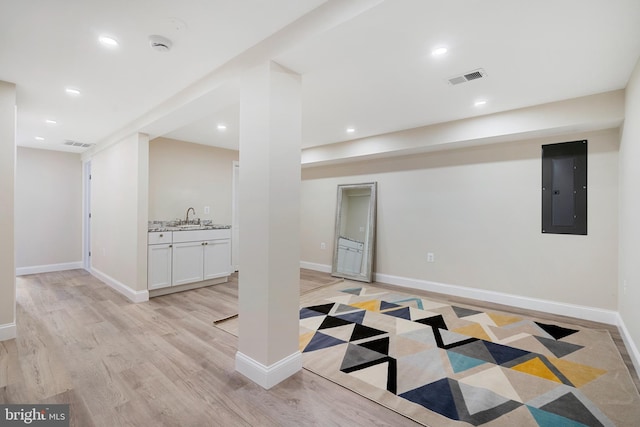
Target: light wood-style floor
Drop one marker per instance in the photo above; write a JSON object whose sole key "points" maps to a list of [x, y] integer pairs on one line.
{"points": [[163, 363]]}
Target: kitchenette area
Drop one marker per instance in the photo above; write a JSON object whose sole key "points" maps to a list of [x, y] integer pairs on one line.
{"points": [[187, 254], [189, 240]]}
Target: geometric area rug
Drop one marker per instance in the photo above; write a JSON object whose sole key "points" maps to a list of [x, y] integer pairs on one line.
{"points": [[455, 365]]}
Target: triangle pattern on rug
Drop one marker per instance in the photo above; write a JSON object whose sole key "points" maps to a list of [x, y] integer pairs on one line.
{"points": [[449, 338], [384, 305], [538, 368], [460, 362], [575, 373], [464, 312], [557, 332], [381, 345], [422, 335], [436, 397], [493, 379], [504, 320], [499, 369], [474, 330], [371, 305], [548, 419], [323, 308], [417, 314], [304, 339], [306, 313], [375, 375], [503, 353], [343, 308], [559, 348], [434, 322], [570, 407], [476, 350], [320, 341], [361, 332], [340, 332], [404, 326], [478, 399], [358, 357], [313, 323], [332, 322], [481, 318], [402, 313], [355, 317]]}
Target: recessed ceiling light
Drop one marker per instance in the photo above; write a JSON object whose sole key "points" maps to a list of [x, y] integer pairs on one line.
{"points": [[351, 130], [439, 51], [480, 103], [107, 41], [222, 126], [72, 91], [39, 138], [50, 122]]}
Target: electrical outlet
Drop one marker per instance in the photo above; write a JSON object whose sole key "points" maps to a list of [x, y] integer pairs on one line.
{"points": [[323, 245], [624, 287], [431, 257], [207, 209]]}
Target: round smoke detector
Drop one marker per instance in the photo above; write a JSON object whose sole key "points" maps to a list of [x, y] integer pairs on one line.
{"points": [[160, 43]]}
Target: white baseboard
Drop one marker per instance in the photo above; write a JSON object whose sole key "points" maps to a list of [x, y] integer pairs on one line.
{"points": [[8, 331], [21, 271], [134, 296], [315, 267], [268, 376], [564, 309], [634, 353]]}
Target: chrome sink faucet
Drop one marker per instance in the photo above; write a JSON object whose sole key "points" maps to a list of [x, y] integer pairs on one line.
{"points": [[187, 218]]}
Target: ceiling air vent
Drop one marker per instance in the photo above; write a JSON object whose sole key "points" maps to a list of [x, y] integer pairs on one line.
{"points": [[77, 144], [467, 77]]}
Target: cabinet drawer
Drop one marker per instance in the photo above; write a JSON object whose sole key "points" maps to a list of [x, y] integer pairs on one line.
{"points": [[158, 237], [200, 235]]}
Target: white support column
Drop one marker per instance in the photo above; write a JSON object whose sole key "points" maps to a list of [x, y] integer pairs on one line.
{"points": [[7, 206], [269, 216]]}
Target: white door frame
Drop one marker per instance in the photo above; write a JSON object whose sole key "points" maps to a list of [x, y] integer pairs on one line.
{"points": [[235, 227], [86, 215]]}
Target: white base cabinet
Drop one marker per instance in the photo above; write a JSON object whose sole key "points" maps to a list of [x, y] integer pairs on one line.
{"points": [[188, 263], [189, 257], [217, 258], [159, 266]]}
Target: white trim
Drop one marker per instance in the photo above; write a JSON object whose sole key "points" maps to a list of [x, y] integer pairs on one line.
{"points": [[268, 376], [8, 331], [134, 296], [315, 267], [86, 210], [565, 309], [634, 353], [235, 226], [21, 271]]}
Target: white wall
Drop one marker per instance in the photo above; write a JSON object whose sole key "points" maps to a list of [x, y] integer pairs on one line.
{"points": [[183, 175], [48, 223], [629, 286], [7, 191], [119, 207], [479, 211]]}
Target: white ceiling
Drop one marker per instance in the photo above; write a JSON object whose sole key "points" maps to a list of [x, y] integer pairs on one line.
{"points": [[374, 72]]}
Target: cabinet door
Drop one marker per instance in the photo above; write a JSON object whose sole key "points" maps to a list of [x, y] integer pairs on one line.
{"points": [[159, 266], [217, 258], [187, 262]]}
